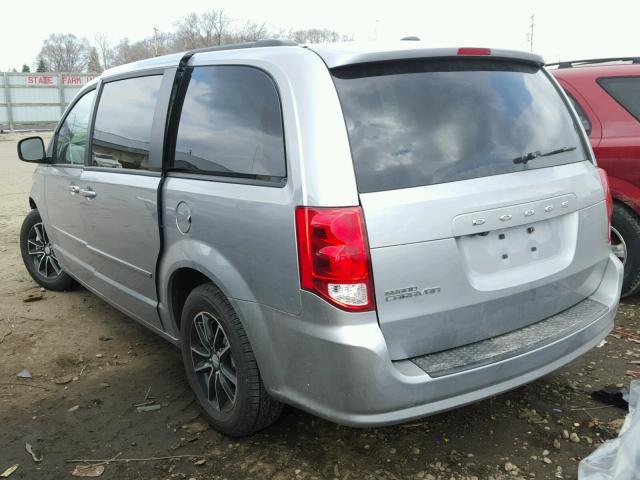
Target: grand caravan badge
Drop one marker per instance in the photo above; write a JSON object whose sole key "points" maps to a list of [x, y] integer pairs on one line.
{"points": [[408, 292]]}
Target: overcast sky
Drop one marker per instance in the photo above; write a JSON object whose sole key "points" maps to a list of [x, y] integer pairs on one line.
{"points": [[564, 29]]}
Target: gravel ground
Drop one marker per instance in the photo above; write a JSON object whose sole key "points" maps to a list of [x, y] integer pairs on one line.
{"points": [[90, 365]]}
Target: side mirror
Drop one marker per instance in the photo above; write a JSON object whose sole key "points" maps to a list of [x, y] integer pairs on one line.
{"points": [[31, 149]]}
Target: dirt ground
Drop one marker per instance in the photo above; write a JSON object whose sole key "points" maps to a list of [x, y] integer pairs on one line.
{"points": [[91, 365]]}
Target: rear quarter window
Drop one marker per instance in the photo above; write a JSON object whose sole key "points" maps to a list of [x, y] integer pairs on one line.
{"points": [[625, 91], [231, 125], [429, 121]]}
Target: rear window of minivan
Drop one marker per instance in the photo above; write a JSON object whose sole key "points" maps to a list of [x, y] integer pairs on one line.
{"points": [[428, 121]]}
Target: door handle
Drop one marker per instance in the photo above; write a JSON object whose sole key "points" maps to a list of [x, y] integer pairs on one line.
{"points": [[73, 189], [87, 192]]}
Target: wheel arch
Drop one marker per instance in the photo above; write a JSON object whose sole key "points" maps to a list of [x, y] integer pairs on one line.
{"points": [[182, 282], [628, 229], [32, 204], [625, 193], [187, 263], [627, 205]]}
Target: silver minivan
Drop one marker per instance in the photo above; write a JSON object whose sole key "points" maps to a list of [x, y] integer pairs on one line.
{"points": [[372, 233]]}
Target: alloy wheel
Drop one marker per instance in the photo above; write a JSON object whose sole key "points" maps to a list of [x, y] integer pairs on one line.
{"points": [[213, 362], [41, 252]]}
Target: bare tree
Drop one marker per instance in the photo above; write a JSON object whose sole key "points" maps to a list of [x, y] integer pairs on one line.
{"points": [[221, 24], [65, 52], [188, 34], [251, 32], [127, 52], [206, 27], [316, 35], [210, 28], [213, 27], [166, 43], [42, 67], [103, 44]]}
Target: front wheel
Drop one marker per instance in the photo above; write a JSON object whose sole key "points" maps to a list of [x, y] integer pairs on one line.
{"points": [[221, 367], [39, 256]]}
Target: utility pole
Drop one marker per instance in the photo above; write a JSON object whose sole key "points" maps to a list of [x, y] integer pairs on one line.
{"points": [[155, 40], [530, 34]]}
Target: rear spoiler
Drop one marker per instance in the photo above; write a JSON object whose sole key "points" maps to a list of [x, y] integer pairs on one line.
{"points": [[347, 55]]}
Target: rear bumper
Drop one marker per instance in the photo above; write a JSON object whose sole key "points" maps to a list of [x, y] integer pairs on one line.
{"points": [[337, 366]]}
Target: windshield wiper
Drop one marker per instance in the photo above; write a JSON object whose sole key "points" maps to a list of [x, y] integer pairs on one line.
{"points": [[537, 154]]}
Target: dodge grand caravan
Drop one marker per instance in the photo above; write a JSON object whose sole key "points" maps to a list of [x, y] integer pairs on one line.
{"points": [[369, 233]]}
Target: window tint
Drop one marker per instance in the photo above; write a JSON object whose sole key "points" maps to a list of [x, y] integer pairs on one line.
{"points": [[231, 124], [582, 115], [71, 142], [122, 132], [626, 91], [428, 121]]}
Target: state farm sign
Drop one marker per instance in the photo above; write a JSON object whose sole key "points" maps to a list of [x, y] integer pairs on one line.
{"points": [[53, 80]]}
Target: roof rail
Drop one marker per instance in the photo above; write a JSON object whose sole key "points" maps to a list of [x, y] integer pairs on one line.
{"points": [[592, 61], [238, 46]]}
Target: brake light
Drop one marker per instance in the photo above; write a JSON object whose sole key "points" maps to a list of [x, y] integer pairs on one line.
{"points": [[474, 51], [334, 256], [607, 197]]}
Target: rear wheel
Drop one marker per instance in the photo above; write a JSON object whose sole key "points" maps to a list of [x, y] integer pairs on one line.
{"points": [[39, 256], [221, 366], [625, 244]]}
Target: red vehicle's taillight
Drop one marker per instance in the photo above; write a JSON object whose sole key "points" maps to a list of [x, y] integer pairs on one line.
{"points": [[334, 256], [607, 196]]}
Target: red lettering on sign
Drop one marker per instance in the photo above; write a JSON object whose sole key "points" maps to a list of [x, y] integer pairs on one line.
{"points": [[39, 80], [75, 80], [65, 79]]}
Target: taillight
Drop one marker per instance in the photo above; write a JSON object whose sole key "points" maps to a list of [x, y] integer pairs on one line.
{"points": [[607, 197], [334, 256], [474, 51]]}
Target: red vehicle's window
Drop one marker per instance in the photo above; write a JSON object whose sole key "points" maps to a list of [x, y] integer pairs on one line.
{"points": [[582, 115], [625, 91]]}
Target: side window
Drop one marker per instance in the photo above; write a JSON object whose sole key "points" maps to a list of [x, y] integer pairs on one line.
{"points": [[582, 115], [231, 124], [625, 91], [122, 131], [71, 140]]}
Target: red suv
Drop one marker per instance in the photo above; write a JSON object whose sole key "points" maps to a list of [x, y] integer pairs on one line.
{"points": [[606, 96]]}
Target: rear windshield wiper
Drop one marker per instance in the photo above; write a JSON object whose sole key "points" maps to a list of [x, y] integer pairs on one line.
{"points": [[537, 154]]}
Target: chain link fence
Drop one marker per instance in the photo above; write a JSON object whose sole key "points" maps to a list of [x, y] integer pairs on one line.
{"points": [[30, 101]]}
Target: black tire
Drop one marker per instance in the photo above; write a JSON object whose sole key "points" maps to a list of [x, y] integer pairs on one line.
{"points": [[252, 408], [50, 275], [626, 224]]}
